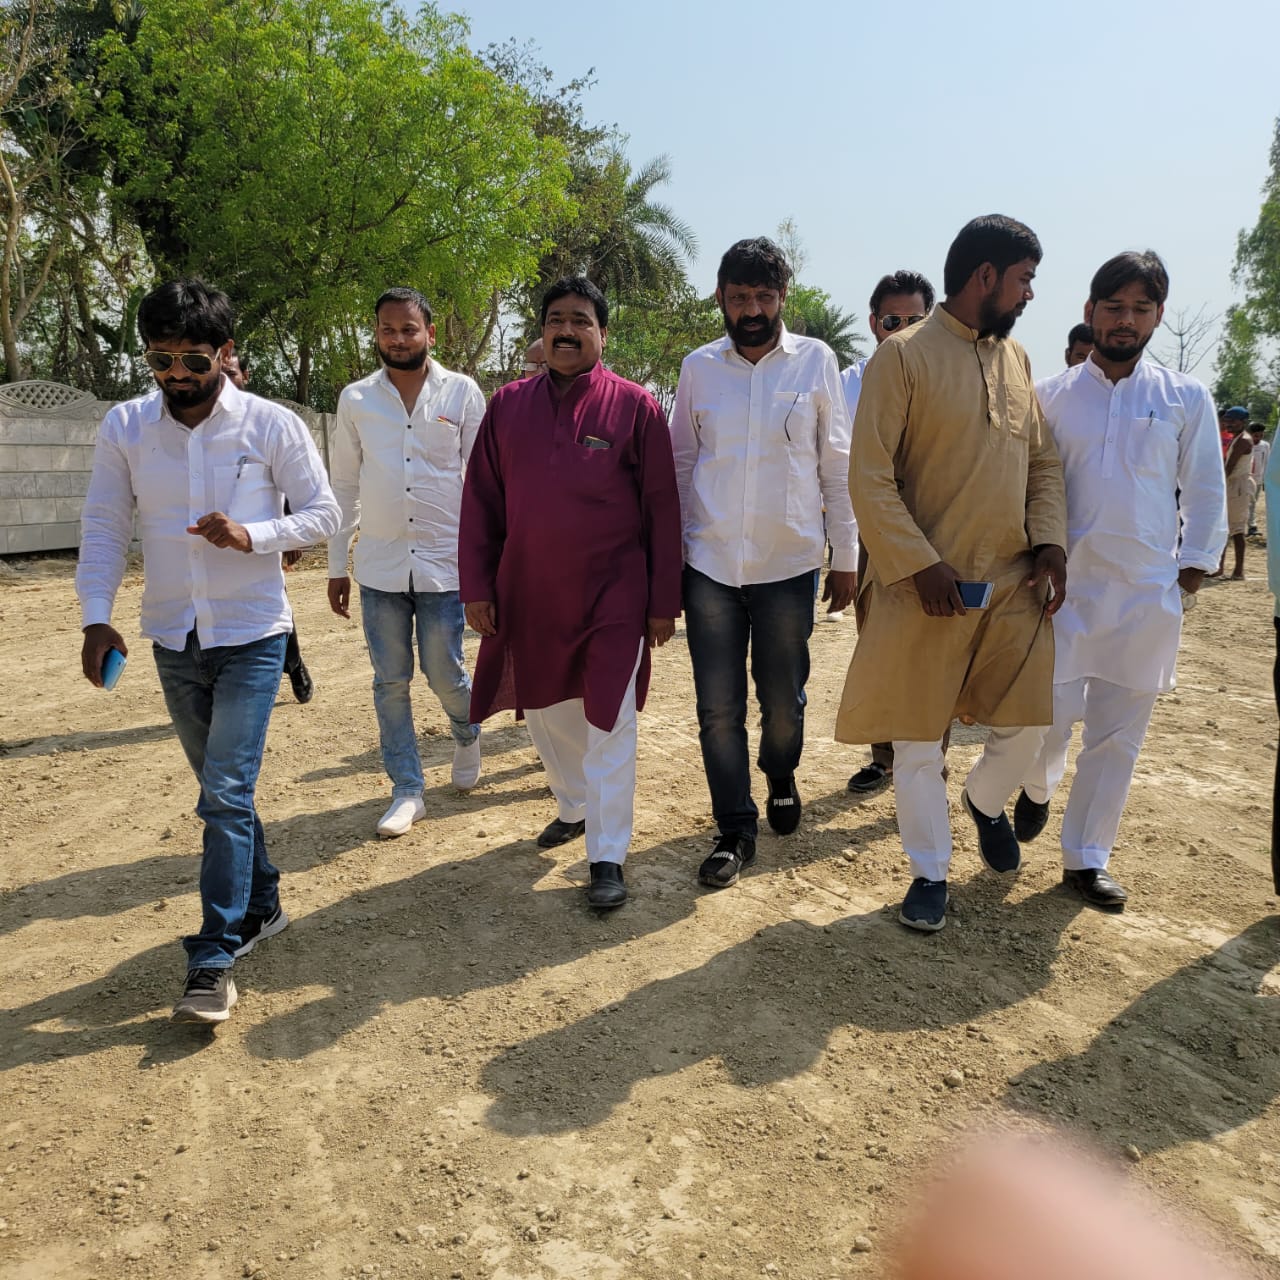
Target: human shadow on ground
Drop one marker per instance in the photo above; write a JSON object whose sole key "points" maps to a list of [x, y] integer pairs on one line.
{"points": [[463, 925], [89, 740], [1194, 1056], [767, 1008], [435, 750]]}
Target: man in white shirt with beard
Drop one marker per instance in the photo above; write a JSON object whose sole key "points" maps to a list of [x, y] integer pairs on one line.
{"points": [[1140, 453], [761, 439], [400, 449]]}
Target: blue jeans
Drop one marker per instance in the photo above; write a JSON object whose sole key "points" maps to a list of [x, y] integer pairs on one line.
{"points": [[220, 702], [777, 619], [389, 618]]}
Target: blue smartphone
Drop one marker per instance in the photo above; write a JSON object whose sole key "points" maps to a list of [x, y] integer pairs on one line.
{"points": [[112, 668], [976, 595]]}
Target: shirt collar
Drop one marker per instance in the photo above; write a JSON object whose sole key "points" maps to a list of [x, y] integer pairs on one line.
{"points": [[434, 379], [1098, 376], [942, 316], [787, 343], [230, 399]]}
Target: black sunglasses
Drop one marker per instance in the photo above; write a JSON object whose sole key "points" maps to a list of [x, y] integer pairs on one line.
{"points": [[191, 361], [892, 323]]}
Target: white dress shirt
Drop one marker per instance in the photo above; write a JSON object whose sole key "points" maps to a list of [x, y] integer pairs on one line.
{"points": [[244, 460], [761, 449], [851, 380], [1258, 461], [399, 477], [1140, 458]]}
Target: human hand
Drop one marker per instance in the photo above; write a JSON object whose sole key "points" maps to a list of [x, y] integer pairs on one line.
{"points": [[482, 617], [1051, 563], [340, 596], [936, 587], [98, 638], [222, 531]]}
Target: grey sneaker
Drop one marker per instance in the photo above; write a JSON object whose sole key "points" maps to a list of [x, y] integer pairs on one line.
{"points": [[209, 995]]}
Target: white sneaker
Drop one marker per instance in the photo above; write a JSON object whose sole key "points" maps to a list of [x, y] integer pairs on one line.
{"points": [[404, 812], [838, 616], [466, 765]]}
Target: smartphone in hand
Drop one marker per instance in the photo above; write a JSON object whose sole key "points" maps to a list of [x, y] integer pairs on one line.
{"points": [[112, 668], [975, 595]]}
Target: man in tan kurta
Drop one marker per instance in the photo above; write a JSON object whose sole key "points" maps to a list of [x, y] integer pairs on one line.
{"points": [[954, 477]]}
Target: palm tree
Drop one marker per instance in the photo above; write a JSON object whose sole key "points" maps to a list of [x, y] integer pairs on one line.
{"points": [[810, 311]]}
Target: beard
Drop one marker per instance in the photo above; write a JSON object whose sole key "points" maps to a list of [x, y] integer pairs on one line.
{"points": [[994, 323], [1119, 354], [190, 397], [412, 360], [753, 331]]}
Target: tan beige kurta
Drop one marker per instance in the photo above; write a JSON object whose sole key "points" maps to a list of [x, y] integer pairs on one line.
{"points": [[951, 461]]}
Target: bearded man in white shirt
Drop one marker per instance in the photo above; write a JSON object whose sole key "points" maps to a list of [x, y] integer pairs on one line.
{"points": [[761, 439], [207, 468], [1140, 454], [399, 453]]}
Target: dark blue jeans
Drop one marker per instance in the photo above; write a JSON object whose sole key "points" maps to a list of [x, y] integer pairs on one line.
{"points": [[776, 619], [220, 702]]}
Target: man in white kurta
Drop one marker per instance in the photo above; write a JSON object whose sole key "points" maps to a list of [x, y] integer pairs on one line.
{"points": [[1140, 454]]}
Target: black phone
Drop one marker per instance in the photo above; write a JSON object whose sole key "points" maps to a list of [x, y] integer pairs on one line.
{"points": [[976, 595]]}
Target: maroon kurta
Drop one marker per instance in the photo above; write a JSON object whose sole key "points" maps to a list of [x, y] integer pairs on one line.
{"points": [[575, 543]]}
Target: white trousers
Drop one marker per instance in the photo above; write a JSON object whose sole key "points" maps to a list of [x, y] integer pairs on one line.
{"points": [[1115, 723], [592, 774], [924, 820]]}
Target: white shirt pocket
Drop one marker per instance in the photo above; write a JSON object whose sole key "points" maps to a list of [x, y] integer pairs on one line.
{"points": [[246, 492], [1152, 448]]}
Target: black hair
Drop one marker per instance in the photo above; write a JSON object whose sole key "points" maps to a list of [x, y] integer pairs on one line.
{"points": [[1079, 333], [186, 310], [411, 297], [584, 288], [992, 238], [755, 262], [906, 282], [1127, 268]]}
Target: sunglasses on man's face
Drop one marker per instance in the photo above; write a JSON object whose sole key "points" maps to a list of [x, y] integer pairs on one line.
{"points": [[891, 323], [191, 361]]}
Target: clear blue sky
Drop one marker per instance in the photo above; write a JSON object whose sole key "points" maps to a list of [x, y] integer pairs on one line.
{"points": [[881, 129]]}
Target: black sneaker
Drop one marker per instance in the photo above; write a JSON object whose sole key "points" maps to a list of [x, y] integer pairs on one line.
{"points": [[1028, 818], [871, 777], [925, 906], [996, 842], [731, 854], [208, 997], [303, 685], [783, 807], [254, 928]]}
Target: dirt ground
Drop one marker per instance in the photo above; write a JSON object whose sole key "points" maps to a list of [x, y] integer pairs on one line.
{"points": [[448, 1066]]}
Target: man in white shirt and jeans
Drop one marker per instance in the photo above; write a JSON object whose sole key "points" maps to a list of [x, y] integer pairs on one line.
{"points": [[1141, 460], [399, 452], [208, 468], [761, 438]]}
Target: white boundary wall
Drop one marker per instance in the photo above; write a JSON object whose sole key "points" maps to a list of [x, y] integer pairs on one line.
{"points": [[47, 433]]}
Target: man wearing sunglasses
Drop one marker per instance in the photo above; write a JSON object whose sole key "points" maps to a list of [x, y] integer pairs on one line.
{"points": [[898, 301], [207, 468], [761, 438]]}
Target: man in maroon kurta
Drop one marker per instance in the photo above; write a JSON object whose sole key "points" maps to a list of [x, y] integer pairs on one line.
{"points": [[569, 560]]}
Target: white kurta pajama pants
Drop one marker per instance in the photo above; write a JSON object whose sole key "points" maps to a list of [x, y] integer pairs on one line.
{"points": [[920, 791], [591, 772], [1115, 724]]}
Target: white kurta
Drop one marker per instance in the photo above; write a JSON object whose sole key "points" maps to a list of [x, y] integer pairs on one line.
{"points": [[1142, 461]]}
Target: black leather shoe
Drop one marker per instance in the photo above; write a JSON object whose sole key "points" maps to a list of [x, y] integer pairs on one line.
{"points": [[783, 807], [1097, 888], [1028, 818], [996, 842], [303, 685], [557, 833], [731, 854], [607, 888]]}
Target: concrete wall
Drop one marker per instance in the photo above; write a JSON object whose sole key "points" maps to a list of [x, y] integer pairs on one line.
{"points": [[47, 432]]}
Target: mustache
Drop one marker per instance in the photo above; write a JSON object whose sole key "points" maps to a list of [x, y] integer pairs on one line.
{"points": [[567, 342]]}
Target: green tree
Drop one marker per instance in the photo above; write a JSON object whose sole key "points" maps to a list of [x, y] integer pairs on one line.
{"points": [[810, 311], [304, 154], [1257, 265], [649, 337]]}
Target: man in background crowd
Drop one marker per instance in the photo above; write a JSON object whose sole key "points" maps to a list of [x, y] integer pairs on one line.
{"points": [[1079, 344]]}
